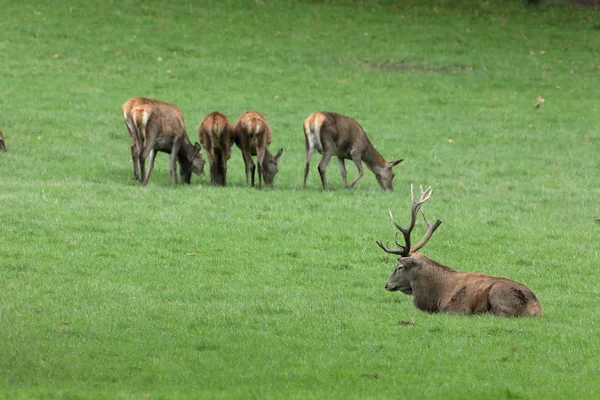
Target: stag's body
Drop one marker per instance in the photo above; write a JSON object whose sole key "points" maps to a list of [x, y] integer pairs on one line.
{"points": [[216, 134], [253, 137], [2, 144], [153, 126], [437, 288], [333, 134]]}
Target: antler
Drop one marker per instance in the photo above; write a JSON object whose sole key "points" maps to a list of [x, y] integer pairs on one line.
{"points": [[405, 249]]}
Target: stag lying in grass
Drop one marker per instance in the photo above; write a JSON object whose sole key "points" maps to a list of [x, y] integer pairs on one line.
{"points": [[155, 125], [253, 137], [216, 134], [437, 288], [333, 134], [2, 144]]}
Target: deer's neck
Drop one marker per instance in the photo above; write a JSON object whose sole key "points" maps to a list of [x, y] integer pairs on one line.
{"points": [[431, 284], [373, 159], [186, 153]]}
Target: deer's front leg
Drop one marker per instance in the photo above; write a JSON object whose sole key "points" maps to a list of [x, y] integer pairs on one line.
{"points": [[173, 161], [358, 162], [260, 157]]}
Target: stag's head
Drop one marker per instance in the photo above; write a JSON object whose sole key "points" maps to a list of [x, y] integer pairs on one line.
{"points": [[409, 259], [385, 175], [271, 167]]}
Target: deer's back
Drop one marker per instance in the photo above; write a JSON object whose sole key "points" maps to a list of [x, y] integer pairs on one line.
{"points": [[345, 133], [252, 127], [159, 123]]}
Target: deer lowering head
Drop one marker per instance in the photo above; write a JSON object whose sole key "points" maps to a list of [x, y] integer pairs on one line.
{"points": [[215, 132], [153, 126], [253, 137], [2, 144], [333, 134], [437, 288]]}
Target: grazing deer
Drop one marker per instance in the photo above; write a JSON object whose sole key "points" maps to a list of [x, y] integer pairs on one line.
{"points": [[2, 144], [334, 134], [437, 288], [153, 126], [253, 136], [216, 133]]}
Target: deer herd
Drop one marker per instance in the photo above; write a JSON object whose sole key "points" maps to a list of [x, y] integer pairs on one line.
{"points": [[154, 126]]}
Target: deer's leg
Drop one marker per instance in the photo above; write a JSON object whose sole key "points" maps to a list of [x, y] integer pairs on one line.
{"points": [[135, 160], [173, 160], [309, 150], [249, 167], [358, 162], [323, 166], [506, 300], [146, 175], [342, 165], [260, 155], [142, 161]]}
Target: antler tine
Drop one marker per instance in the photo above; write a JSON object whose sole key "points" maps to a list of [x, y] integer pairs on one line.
{"points": [[430, 229], [424, 195], [388, 250]]}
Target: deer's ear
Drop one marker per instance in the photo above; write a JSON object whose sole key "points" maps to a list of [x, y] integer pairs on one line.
{"points": [[197, 146], [394, 163], [279, 153]]}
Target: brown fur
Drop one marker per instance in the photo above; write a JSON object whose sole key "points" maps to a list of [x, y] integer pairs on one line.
{"points": [[162, 130], [334, 134], [215, 132], [253, 137], [2, 144], [437, 288]]}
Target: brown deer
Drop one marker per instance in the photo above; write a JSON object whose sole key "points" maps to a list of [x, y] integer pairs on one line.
{"points": [[2, 144], [437, 288], [332, 134], [216, 133], [153, 126], [253, 136]]}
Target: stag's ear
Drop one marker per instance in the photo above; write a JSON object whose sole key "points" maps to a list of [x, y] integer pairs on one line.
{"points": [[394, 163], [279, 153], [197, 147]]}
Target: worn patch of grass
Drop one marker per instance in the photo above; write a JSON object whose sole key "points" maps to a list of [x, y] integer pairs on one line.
{"points": [[109, 290]]}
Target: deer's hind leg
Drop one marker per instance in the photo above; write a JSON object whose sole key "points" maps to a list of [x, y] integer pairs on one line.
{"points": [[507, 300]]}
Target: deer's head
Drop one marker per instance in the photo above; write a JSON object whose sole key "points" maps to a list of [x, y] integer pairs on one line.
{"points": [[409, 259], [197, 160], [270, 167], [385, 175]]}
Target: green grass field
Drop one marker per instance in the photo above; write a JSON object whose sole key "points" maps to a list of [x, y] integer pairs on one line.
{"points": [[112, 290]]}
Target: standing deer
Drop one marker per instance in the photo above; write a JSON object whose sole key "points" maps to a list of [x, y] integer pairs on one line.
{"points": [[332, 134], [155, 125], [437, 288], [253, 136], [216, 133], [2, 144]]}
